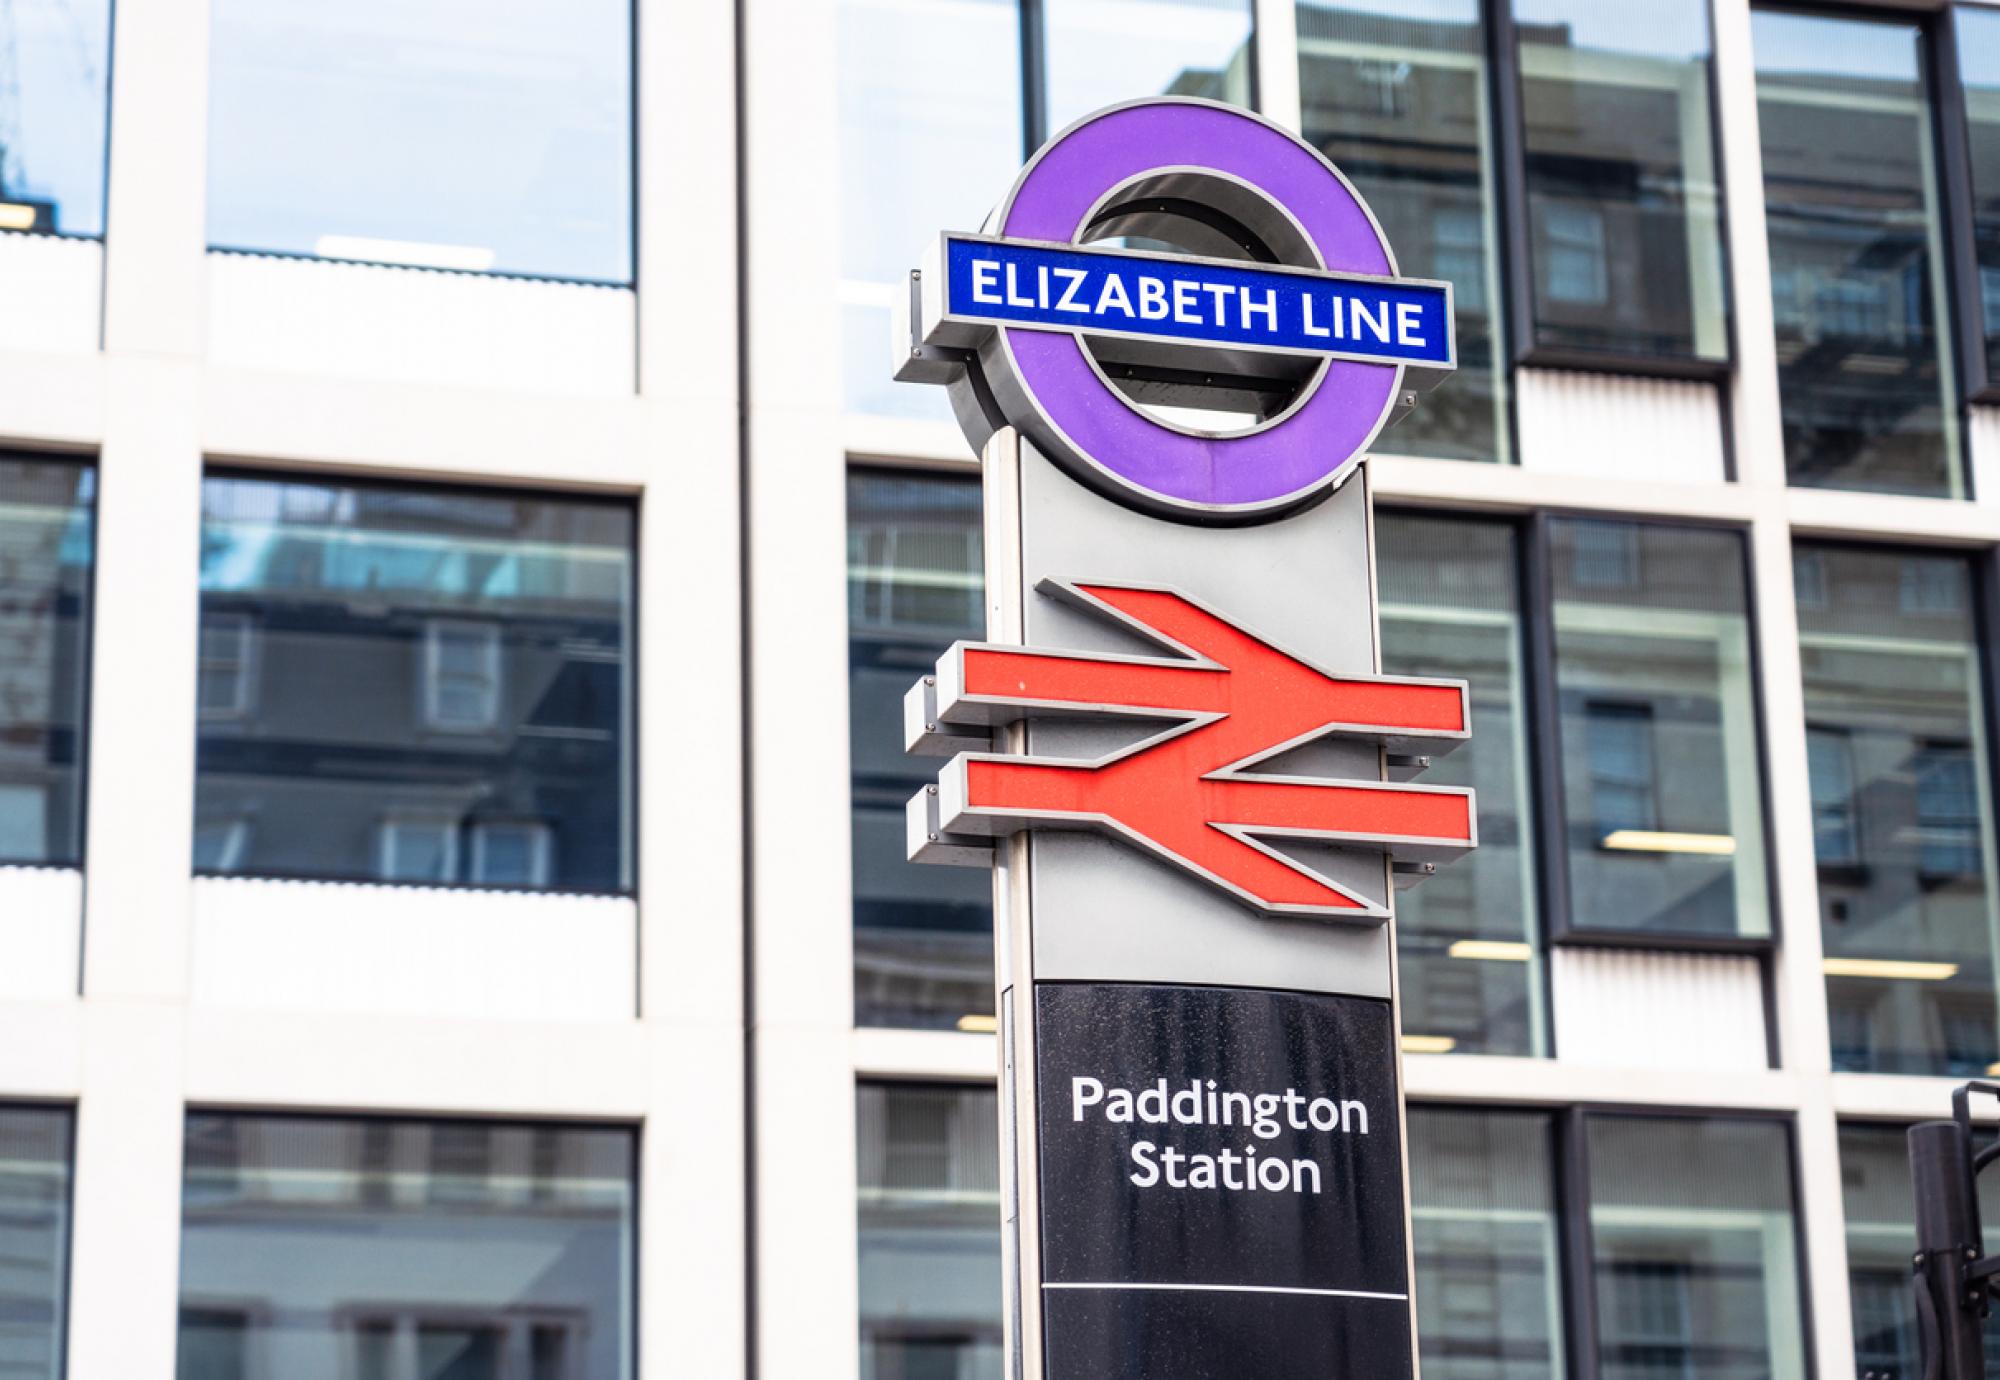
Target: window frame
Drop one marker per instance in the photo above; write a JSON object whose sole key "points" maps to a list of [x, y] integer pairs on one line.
{"points": [[1516, 332], [1951, 133]]}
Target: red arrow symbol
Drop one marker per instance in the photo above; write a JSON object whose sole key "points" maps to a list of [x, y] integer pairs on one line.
{"points": [[1184, 794]]}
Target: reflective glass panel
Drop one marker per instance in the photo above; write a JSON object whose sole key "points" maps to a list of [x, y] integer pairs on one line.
{"points": [[34, 1241], [468, 134], [930, 139], [1902, 812], [55, 94], [1880, 1212], [1662, 792], [1396, 96], [1484, 1230], [414, 685], [1101, 52], [929, 1172], [1979, 76], [1471, 970], [1623, 206], [45, 540], [1851, 202], [1696, 1254], [405, 1250], [923, 936]]}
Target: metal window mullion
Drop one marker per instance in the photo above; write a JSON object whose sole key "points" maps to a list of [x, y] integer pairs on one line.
{"points": [[1034, 75], [1951, 131], [1517, 313], [1579, 1247], [1544, 718], [1985, 610]]}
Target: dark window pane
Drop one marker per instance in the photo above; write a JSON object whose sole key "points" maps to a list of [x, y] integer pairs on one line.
{"points": [[1979, 73], [1484, 1231], [1852, 207], [1890, 656], [55, 93], [410, 685], [930, 139], [923, 936], [1623, 205], [1399, 103], [287, 1241], [45, 538], [495, 136], [1471, 973], [1879, 1210], [929, 1172], [1696, 1249], [34, 1241], [1101, 52], [1661, 782]]}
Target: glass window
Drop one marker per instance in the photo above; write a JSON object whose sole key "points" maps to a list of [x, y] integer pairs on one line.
{"points": [[45, 545], [34, 1240], [1694, 1249], [1662, 785], [930, 138], [461, 134], [1484, 1232], [414, 685], [1398, 100], [923, 936], [1879, 1210], [1619, 153], [929, 1171], [1979, 78], [405, 1250], [1471, 971], [1851, 202], [1902, 808], [1101, 52], [55, 112]]}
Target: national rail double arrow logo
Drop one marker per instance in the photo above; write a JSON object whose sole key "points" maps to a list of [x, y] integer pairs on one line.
{"points": [[1188, 794]]}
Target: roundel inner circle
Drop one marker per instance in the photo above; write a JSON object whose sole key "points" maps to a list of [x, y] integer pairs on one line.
{"points": [[1090, 425]]}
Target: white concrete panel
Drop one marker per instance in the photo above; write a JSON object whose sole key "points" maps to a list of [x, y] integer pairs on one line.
{"points": [[1982, 444], [54, 293], [1644, 1009], [41, 932], [347, 947], [420, 326], [1612, 426]]}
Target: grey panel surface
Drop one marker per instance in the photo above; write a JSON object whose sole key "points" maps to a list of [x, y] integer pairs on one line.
{"points": [[1104, 911]]}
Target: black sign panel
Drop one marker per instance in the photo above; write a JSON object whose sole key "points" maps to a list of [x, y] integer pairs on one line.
{"points": [[1222, 1185]]}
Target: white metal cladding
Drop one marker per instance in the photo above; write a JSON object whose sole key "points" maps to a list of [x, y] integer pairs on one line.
{"points": [[50, 293], [1982, 444], [1616, 426], [41, 918], [420, 325], [1651, 1009], [370, 950]]}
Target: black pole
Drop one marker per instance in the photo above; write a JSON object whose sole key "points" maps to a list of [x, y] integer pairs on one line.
{"points": [[1948, 1303]]}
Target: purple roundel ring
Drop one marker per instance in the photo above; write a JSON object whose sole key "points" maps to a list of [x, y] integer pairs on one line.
{"points": [[1286, 463]]}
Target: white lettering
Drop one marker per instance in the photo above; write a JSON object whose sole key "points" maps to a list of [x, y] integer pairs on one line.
{"points": [[1074, 277], [1156, 1098], [985, 274], [1014, 297], [1184, 303], [1409, 317], [1268, 309], [1152, 299], [1113, 288], [1362, 1116], [1084, 1092], [1377, 328], [1142, 1155], [1309, 327], [1332, 1114], [1216, 292]]}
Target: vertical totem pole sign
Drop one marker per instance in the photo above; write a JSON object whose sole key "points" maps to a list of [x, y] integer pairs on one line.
{"points": [[1172, 344]]}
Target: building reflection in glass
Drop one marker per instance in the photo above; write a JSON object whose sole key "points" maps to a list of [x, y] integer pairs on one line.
{"points": [[1465, 939], [929, 1188], [414, 685], [1902, 807], [923, 936], [405, 1250]]}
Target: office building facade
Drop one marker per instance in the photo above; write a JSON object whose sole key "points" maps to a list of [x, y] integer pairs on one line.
{"points": [[461, 554]]}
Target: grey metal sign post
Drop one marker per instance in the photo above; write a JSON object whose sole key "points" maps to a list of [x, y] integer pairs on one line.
{"points": [[1176, 749]]}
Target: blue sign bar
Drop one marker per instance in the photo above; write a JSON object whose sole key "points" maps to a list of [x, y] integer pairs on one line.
{"points": [[1114, 292]]}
